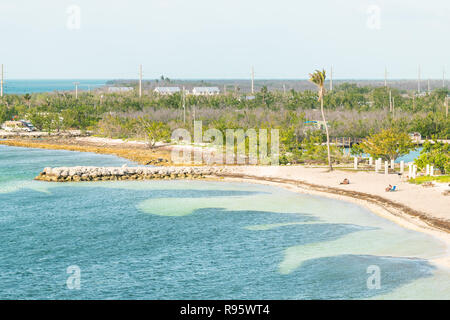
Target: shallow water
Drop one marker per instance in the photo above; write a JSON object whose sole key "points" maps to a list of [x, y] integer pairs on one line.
{"points": [[196, 240]]}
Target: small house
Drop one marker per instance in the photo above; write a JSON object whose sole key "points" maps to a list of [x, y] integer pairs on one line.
{"points": [[120, 89], [205, 91], [166, 90]]}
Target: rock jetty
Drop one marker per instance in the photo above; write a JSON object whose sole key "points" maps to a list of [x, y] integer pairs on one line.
{"points": [[75, 174]]}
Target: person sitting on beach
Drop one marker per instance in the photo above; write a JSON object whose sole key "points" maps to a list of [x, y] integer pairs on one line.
{"points": [[345, 181], [388, 188]]}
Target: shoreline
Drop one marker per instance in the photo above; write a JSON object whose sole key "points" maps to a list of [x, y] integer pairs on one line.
{"points": [[395, 215], [398, 210]]}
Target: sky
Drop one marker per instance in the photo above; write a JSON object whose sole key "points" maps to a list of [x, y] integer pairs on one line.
{"points": [[214, 39]]}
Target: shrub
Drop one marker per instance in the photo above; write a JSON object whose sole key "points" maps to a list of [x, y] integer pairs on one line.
{"points": [[389, 144], [435, 154]]}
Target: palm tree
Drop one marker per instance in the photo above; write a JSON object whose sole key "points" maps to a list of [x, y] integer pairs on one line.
{"points": [[318, 78], [27, 98]]}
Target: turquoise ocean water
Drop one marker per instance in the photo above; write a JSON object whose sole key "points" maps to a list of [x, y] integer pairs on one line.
{"points": [[32, 86], [196, 240]]}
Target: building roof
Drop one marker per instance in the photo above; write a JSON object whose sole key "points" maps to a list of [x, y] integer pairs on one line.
{"points": [[120, 89], [206, 89], [167, 89]]}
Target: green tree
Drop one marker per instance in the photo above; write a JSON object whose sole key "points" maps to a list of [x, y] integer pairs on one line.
{"points": [[356, 150], [389, 144], [436, 154], [155, 131], [318, 78]]}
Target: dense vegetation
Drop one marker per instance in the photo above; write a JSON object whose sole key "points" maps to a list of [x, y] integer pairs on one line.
{"points": [[435, 154], [351, 111]]}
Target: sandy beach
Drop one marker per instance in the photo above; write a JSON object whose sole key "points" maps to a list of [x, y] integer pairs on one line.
{"points": [[412, 206], [430, 201]]}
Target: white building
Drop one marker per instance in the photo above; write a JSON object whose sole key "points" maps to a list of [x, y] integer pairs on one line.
{"points": [[167, 90], [120, 89], [205, 91]]}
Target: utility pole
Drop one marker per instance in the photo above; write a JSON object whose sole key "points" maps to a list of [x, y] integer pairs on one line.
{"points": [[1, 85], [76, 89], [390, 100], [443, 77], [385, 77], [284, 89], [393, 107], [253, 80], [446, 106], [331, 78], [184, 106], [140, 81], [428, 86]]}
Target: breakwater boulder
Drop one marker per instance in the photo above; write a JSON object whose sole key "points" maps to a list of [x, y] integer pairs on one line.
{"points": [[75, 174]]}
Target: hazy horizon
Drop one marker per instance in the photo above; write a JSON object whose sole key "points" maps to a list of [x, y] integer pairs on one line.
{"points": [[221, 39]]}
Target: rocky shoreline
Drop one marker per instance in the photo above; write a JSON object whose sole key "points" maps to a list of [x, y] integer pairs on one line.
{"points": [[77, 174]]}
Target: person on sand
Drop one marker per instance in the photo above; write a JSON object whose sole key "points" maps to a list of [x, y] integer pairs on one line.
{"points": [[345, 181], [388, 188]]}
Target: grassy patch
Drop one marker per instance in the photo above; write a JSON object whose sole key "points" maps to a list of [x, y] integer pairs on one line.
{"points": [[420, 180]]}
